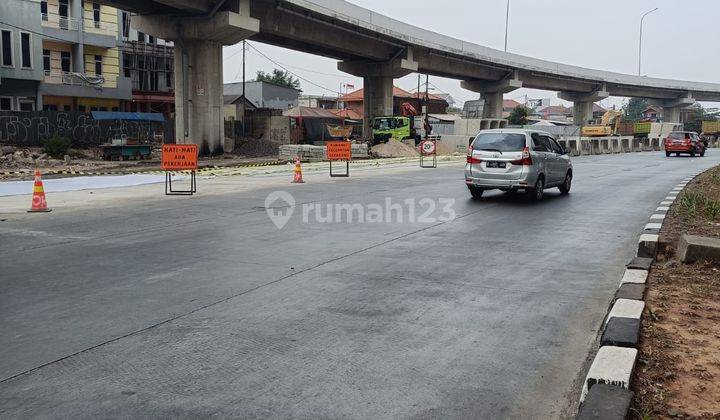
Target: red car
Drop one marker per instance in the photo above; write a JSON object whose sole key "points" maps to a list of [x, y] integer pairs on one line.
{"points": [[684, 142]]}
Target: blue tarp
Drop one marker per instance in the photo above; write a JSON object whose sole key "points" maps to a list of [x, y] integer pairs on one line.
{"points": [[128, 116]]}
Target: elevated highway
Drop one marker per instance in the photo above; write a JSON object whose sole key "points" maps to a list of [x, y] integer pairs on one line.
{"points": [[374, 47]]}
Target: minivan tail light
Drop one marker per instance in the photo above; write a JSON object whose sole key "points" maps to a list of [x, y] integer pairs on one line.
{"points": [[473, 160], [526, 160]]}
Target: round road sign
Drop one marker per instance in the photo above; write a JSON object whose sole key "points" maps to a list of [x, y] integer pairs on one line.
{"points": [[427, 147]]}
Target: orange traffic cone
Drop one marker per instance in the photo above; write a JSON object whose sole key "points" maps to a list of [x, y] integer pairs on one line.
{"points": [[38, 201], [297, 179]]}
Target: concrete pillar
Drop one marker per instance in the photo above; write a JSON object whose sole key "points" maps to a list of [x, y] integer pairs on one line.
{"points": [[582, 112], [583, 103], [492, 92], [377, 99], [493, 105], [198, 67], [672, 107], [202, 122], [671, 114], [378, 84], [78, 50]]}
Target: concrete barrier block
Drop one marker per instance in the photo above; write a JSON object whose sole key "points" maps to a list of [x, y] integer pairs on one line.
{"points": [[621, 332], [653, 226], [693, 248], [606, 402], [665, 203], [647, 245], [634, 276], [613, 366], [640, 263], [632, 291], [626, 308], [658, 216], [663, 209]]}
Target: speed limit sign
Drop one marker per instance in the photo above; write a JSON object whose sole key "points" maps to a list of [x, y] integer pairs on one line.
{"points": [[427, 147]]}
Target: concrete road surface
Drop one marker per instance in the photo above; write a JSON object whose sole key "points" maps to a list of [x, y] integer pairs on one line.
{"points": [[200, 307]]}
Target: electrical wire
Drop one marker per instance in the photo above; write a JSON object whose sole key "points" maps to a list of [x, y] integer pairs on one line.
{"points": [[293, 73]]}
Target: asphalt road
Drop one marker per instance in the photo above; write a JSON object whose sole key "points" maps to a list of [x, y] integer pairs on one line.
{"points": [[201, 307]]}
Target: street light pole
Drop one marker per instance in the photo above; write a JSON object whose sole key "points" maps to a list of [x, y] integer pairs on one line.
{"points": [[507, 20], [642, 19]]}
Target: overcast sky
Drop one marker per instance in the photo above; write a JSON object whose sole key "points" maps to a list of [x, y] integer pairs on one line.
{"points": [[680, 39]]}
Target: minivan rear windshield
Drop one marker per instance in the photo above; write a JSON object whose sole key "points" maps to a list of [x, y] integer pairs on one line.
{"points": [[504, 142]]}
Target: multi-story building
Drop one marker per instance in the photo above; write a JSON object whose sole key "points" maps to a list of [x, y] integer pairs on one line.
{"points": [[148, 62], [81, 57], [20, 56]]}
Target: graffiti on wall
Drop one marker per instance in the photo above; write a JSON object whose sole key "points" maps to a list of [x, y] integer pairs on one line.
{"points": [[32, 128]]}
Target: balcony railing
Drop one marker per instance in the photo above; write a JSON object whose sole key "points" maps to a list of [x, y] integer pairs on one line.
{"points": [[79, 79], [54, 20]]}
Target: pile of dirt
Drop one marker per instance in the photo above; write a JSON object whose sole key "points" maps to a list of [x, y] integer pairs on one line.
{"points": [[21, 158], [678, 371], [393, 149]]}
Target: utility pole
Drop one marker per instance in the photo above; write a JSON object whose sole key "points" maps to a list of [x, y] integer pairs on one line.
{"points": [[507, 21], [243, 93], [642, 19], [426, 106]]}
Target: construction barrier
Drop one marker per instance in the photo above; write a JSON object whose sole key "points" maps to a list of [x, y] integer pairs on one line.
{"points": [[179, 157], [339, 151], [428, 151]]}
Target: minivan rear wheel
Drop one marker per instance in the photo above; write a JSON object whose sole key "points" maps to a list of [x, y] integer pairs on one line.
{"points": [[476, 192], [567, 184], [536, 193]]}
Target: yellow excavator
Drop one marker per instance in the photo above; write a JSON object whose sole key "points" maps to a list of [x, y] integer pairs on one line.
{"points": [[608, 125]]}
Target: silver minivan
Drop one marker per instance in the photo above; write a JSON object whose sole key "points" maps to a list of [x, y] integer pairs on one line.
{"points": [[517, 159]]}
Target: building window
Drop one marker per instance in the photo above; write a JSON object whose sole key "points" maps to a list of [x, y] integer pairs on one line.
{"points": [[26, 50], [168, 75], [25, 104], [151, 39], [6, 45], [43, 10], [125, 24], [5, 103], [65, 60], [81, 108], [46, 61], [98, 65], [63, 11], [141, 37], [126, 65], [50, 107], [96, 14]]}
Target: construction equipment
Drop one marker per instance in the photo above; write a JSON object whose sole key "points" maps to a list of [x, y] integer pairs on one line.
{"points": [[398, 127], [609, 125], [711, 128]]}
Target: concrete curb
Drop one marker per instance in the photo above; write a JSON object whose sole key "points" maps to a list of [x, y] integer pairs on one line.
{"points": [[606, 390]]}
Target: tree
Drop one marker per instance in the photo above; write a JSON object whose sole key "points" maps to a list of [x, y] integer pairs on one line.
{"points": [[696, 115], [278, 77], [519, 115], [634, 108]]}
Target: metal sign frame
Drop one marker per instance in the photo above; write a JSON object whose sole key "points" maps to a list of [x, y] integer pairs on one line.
{"points": [[424, 156], [337, 175], [169, 188]]}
